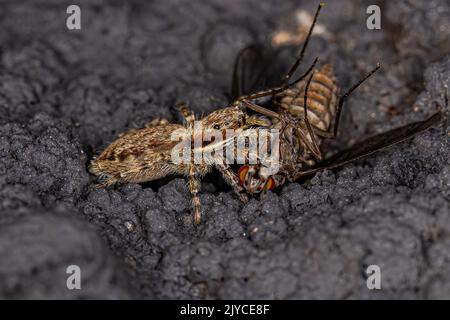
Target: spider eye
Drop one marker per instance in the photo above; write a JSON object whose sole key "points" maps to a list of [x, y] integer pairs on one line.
{"points": [[216, 126]]}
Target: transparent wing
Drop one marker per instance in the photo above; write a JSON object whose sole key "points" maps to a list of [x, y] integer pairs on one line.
{"points": [[256, 67]]}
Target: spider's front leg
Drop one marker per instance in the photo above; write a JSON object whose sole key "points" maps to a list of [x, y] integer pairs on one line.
{"points": [[187, 114], [193, 176], [232, 180], [157, 122], [194, 189]]}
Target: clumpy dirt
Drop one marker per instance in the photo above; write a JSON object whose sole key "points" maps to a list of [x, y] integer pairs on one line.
{"points": [[64, 95]]}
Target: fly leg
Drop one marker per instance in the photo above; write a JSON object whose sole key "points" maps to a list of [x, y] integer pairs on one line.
{"points": [[272, 91], [332, 135], [313, 146], [297, 62]]}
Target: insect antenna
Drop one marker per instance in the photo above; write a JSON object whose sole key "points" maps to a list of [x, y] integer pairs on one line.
{"points": [[297, 62]]}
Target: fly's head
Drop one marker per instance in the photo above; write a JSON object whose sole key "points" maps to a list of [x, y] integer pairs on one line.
{"points": [[252, 182]]}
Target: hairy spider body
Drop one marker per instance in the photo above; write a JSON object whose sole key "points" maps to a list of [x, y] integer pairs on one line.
{"points": [[142, 155]]}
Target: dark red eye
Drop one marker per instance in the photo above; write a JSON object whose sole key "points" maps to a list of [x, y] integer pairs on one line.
{"points": [[270, 184], [242, 173]]}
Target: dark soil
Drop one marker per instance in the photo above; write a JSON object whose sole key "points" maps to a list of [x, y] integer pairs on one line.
{"points": [[64, 95]]}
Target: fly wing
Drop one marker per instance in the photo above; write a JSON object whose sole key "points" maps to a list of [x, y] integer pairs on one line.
{"points": [[373, 144], [256, 67]]}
